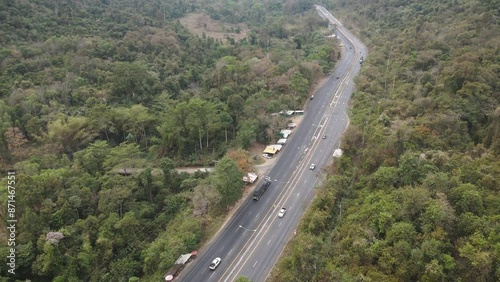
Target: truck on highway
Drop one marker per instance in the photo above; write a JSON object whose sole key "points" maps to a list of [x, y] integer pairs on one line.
{"points": [[257, 194]]}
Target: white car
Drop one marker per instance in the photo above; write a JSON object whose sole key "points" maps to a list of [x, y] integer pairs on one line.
{"points": [[214, 263], [282, 212], [312, 166]]}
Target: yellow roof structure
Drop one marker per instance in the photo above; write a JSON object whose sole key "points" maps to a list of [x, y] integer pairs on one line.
{"points": [[270, 150]]}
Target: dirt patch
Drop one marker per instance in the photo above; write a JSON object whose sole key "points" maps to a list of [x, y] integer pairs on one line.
{"points": [[255, 152], [296, 120], [200, 23]]}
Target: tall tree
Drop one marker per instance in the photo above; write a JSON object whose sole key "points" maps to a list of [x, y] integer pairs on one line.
{"points": [[132, 81], [124, 158], [70, 133], [92, 158], [227, 179]]}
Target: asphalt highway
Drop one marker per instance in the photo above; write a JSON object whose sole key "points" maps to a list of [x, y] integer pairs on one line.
{"points": [[252, 240]]}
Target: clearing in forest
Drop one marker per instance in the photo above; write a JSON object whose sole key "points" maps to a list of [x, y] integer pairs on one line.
{"points": [[200, 23]]}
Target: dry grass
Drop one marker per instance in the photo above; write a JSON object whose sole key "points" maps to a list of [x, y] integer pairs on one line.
{"points": [[201, 23]]}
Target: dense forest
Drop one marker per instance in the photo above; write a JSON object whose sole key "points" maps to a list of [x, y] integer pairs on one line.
{"points": [[416, 195], [100, 101]]}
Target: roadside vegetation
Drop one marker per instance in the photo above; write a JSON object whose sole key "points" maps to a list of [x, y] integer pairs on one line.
{"points": [[416, 195], [95, 96]]}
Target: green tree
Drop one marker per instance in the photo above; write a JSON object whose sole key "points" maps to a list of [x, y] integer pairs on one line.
{"points": [[124, 159], [171, 134], [433, 272], [299, 85], [167, 167], [438, 213], [101, 119], [92, 158], [50, 261], [478, 261], [141, 124], [467, 198], [411, 168], [132, 82], [385, 178], [172, 242], [247, 132], [116, 195], [197, 119], [227, 179], [70, 133]]}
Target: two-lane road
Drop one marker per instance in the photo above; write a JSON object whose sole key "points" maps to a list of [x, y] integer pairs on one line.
{"points": [[251, 242]]}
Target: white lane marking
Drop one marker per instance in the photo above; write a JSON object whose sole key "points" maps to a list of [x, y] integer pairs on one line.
{"points": [[257, 215], [280, 223], [230, 251], [250, 247], [298, 194], [268, 242], [255, 263]]}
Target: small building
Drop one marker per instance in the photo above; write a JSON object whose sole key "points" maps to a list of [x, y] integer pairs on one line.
{"points": [[282, 141], [286, 112], [285, 133], [270, 150], [337, 153], [250, 177], [179, 265], [277, 147]]}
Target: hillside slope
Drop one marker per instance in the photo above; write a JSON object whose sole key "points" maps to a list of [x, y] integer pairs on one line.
{"points": [[101, 100]]}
